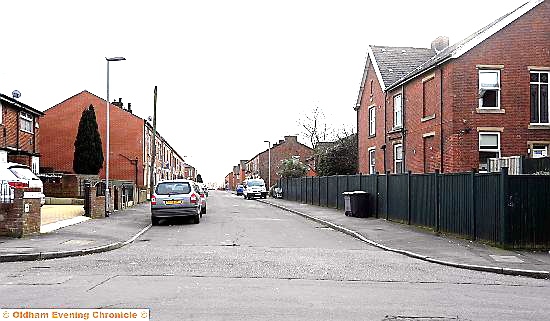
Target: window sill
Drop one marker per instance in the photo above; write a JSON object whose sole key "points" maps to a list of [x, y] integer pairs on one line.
{"points": [[424, 119], [539, 126], [490, 111], [395, 130], [26, 131], [371, 136]]}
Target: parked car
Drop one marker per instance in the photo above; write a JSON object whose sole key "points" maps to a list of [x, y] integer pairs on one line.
{"points": [[176, 198], [14, 175], [240, 190], [254, 187]]}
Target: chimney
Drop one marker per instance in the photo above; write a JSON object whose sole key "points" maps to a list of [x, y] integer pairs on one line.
{"points": [[291, 139], [440, 43], [118, 103], [130, 108]]}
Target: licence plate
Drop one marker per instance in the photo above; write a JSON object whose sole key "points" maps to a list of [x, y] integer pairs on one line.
{"points": [[172, 202]]}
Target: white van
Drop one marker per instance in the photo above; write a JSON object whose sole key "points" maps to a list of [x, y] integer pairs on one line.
{"points": [[254, 187]]}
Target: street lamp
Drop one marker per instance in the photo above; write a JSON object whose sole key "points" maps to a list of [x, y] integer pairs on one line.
{"points": [[268, 163], [107, 200]]}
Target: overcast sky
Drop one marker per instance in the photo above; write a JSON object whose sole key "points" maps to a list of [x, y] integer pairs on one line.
{"points": [[234, 72]]}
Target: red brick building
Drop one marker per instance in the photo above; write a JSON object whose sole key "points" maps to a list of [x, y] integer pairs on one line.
{"points": [[19, 133], [130, 141], [453, 107], [284, 149]]}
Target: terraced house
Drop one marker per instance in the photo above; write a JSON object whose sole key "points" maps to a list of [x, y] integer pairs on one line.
{"points": [[451, 107]]}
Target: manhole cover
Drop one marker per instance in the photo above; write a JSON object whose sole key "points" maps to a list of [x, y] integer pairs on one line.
{"points": [[506, 258]]}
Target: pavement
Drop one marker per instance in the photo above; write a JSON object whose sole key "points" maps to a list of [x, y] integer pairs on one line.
{"points": [[78, 235]]}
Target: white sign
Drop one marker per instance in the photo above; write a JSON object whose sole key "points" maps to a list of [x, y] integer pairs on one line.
{"points": [[32, 195]]}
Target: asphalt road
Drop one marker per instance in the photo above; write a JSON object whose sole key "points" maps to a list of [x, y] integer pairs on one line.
{"points": [[250, 261]]}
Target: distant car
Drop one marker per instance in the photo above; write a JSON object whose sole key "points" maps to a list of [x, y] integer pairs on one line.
{"points": [[14, 175], [240, 190], [204, 188], [203, 194], [176, 198], [254, 187]]}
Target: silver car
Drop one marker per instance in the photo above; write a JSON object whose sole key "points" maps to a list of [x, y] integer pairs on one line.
{"points": [[176, 198]]}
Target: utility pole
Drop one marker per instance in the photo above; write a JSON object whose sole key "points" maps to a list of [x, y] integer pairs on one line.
{"points": [[154, 147]]}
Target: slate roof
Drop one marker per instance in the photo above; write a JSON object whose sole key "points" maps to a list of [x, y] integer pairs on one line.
{"points": [[21, 105], [395, 63]]}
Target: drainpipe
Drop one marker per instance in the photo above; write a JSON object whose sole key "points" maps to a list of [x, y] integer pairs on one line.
{"points": [[441, 116], [403, 128], [385, 129]]}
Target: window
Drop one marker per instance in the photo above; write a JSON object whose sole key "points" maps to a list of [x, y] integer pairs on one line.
{"points": [[26, 122], [539, 97], [540, 151], [372, 121], [1, 112], [489, 147], [398, 158], [372, 160], [489, 89], [371, 88], [397, 112]]}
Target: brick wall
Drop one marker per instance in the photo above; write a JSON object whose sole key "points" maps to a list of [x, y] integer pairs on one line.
{"points": [[14, 221], [12, 136], [374, 97], [59, 127]]}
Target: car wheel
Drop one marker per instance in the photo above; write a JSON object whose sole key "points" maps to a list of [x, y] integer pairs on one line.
{"points": [[196, 219], [154, 221]]}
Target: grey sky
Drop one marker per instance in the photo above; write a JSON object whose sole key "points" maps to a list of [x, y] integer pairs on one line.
{"points": [[235, 72]]}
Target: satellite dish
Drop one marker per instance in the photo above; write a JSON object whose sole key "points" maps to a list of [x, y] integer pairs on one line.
{"points": [[149, 118], [16, 93]]}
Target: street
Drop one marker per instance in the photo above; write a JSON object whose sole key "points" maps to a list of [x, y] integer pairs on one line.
{"points": [[250, 261]]}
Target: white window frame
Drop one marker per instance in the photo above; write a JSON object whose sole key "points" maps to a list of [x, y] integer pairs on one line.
{"points": [[398, 112], [395, 160], [372, 160], [539, 83], [372, 121], [497, 88], [26, 118]]}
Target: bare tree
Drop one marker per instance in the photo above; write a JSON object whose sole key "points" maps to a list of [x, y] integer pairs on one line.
{"points": [[315, 126]]}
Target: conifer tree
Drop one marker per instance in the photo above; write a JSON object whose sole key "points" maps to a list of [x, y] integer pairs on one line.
{"points": [[88, 152]]}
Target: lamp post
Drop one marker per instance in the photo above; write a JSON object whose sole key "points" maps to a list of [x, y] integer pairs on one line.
{"points": [[107, 200], [268, 163]]}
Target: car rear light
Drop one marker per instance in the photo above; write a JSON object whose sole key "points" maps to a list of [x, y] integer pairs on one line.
{"points": [[153, 200], [202, 195], [193, 199], [18, 184]]}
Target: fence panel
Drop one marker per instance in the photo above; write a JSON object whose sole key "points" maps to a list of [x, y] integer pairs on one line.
{"points": [[315, 191], [423, 199], [303, 189], [382, 210], [397, 197], [323, 190], [342, 187], [456, 204], [332, 200], [354, 182], [487, 207], [529, 211]]}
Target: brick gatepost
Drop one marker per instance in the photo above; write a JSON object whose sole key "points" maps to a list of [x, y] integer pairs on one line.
{"points": [[22, 217]]}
